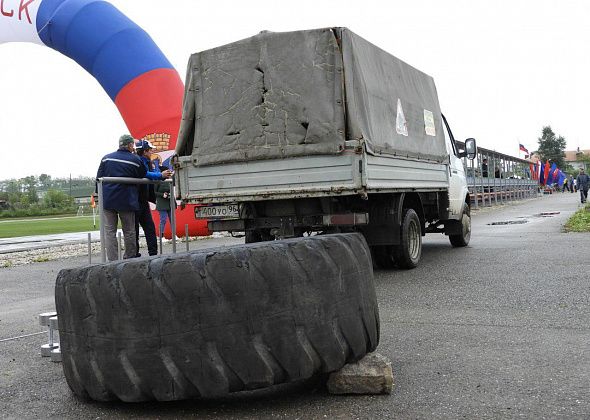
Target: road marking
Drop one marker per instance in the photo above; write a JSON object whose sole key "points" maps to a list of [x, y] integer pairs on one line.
{"points": [[22, 336]]}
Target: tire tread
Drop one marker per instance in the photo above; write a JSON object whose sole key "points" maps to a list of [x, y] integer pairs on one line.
{"points": [[175, 330]]}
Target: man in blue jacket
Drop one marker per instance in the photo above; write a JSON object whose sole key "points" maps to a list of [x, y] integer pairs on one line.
{"points": [[143, 216], [120, 201]]}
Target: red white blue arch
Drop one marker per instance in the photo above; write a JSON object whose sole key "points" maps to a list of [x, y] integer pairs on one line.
{"points": [[120, 55]]}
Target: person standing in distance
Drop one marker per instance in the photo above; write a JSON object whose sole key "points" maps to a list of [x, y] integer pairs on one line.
{"points": [[484, 168], [120, 201], [143, 217], [583, 182]]}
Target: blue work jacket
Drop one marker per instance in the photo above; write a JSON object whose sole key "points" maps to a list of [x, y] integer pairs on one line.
{"points": [[122, 163], [146, 192]]}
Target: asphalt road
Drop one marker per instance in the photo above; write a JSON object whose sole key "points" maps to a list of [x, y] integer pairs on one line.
{"points": [[496, 330]]}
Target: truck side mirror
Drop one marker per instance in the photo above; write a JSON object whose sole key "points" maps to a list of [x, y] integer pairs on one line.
{"points": [[470, 149]]}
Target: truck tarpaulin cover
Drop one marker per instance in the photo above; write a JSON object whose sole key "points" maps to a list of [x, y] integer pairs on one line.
{"points": [[289, 94]]}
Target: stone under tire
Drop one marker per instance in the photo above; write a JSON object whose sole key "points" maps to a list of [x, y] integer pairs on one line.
{"points": [[409, 251], [211, 322], [464, 237]]}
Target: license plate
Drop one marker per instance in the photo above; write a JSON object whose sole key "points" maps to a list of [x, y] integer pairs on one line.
{"points": [[229, 211]]}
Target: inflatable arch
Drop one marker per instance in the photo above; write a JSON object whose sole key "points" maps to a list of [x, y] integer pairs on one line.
{"points": [[121, 56]]}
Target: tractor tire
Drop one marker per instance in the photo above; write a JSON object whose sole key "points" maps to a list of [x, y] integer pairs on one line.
{"points": [[211, 322]]}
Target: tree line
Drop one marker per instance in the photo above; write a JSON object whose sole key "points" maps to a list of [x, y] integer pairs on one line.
{"points": [[40, 195]]}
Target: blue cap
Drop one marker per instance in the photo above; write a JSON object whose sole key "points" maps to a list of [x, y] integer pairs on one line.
{"points": [[143, 145]]}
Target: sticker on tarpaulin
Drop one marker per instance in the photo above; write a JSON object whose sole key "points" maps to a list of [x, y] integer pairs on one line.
{"points": [[429, 127], [401, 126]]}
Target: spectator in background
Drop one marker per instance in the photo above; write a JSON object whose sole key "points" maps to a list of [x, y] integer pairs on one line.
{"points": [[120, 201], [571, 183], [163, 203], [497, 172], [565, 185], [484, 168], [143, 217], [583, 182]]}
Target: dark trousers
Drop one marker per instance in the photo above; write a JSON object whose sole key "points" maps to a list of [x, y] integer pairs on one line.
{"points": [[583, 194], [143, 218]]}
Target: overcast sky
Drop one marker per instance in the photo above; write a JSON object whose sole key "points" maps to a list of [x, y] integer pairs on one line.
{"points": [[503, 70]]}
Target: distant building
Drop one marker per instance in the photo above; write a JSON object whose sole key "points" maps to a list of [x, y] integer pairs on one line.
{"points": [[80, 193], [572, 157]]}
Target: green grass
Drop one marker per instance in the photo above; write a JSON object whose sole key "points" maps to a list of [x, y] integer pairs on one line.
{"points": [[580, 221], [50, 216], [10, 228]]}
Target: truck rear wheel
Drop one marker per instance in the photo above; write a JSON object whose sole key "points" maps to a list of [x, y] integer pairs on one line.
{"points": [[211, 322], [260, 235], [407, 254], [463, 238], [384, 256]]}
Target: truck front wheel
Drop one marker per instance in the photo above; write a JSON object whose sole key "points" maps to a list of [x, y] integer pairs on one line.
{"points": [[463, 238], [409, 251]]}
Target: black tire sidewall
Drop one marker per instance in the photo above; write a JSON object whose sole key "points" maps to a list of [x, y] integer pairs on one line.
{"points": [[403, 252], [461, 240]]}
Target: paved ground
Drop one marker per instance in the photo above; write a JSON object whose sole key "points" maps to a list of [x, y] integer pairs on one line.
{"points": [[25, 243], [496, 330]]}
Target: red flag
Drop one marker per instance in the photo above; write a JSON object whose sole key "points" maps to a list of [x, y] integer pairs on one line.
{"points": [[546, 172], [523, 149], [92, 203]]}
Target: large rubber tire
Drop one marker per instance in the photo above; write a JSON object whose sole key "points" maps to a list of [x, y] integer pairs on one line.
{"points": [[465, 236], [211, 322], [409, 251]]}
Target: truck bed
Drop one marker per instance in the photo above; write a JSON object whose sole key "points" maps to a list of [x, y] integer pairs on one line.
{"points": [[312, 176]]}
